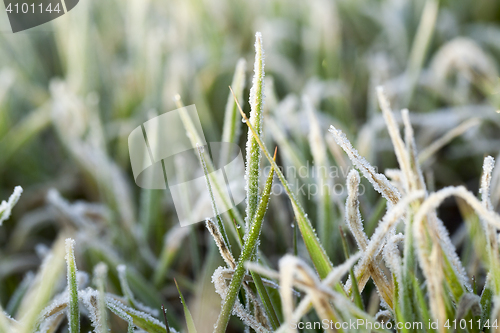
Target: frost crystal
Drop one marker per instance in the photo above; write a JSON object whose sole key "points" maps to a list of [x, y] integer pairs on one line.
{"points": [[6, 206], [379, 181]]}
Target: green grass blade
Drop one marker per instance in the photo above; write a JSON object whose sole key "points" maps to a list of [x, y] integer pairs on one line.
{"points": [[355, 290], [420, 46], [266, 300], [172, 243], [247, 253], [73, 311], [37, 297], [422, 305], [135, 318], [252, 175], [232, 124], [486, 301], [318, 255], [189, 319], [100, 274]]}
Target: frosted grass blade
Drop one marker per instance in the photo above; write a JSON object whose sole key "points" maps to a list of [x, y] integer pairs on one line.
{"points": [[246, 254], [73, 311], [252, 173]]}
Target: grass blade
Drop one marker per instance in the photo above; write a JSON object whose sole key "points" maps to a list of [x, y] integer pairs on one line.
{"points": [[248, 250], [252, 174], [232, 125], [42, 289], [73, 311], [135, 318], [6, 206], [189, 319], [100, 274]]}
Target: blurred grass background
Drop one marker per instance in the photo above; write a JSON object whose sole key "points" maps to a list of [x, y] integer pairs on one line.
{"points": [[72, 90]]}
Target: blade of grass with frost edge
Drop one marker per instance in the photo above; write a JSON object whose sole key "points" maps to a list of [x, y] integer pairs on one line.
{"points": [[246, 254], [100, 274], [261, 289], [135, 318], [189, 319], [73, 311], [127, 292], [252, 172], [318, 255], [6, 206], [41, 291]]}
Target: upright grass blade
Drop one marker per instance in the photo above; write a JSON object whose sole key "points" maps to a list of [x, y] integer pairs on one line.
{"points": [[248, 250], [42, 289], [172, 243], [100, 274], [266, 300], [420, 46], [73, 311], [187, 314], [252, 174], [318, 255], [122, 276], [232, 124]]}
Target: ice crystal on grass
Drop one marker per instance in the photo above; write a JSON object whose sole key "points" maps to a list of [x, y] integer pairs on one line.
{"points": [[379, 181], [6, 206], [221, 243]]}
